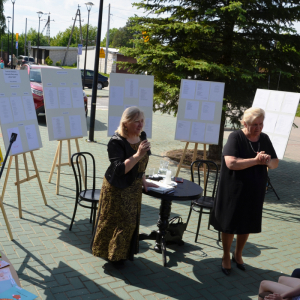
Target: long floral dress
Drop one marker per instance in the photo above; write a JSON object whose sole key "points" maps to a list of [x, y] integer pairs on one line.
{"points": [[117, 232]]}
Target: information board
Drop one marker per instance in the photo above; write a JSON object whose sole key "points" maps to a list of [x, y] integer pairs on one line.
{"points": [[17, 112], [199, 111], [64, 104], [280, 109], [130, 90]]}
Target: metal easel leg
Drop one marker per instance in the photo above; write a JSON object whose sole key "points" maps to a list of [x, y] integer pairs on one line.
{"points": [[271, 186]]}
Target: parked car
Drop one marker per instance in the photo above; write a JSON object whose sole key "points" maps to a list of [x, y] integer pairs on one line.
{"points": [[89, 77], [22, 59], [34, 72]]}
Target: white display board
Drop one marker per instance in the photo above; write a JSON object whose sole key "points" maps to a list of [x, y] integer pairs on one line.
{"points": [[127, 90], [17, 112], [64, 104], [199, 111], [280, 110]]}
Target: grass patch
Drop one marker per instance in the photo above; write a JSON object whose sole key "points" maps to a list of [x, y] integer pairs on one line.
{"points": [[69, 67], [298, 111]]}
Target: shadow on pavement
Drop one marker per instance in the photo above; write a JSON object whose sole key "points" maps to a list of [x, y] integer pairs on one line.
{"points": [[99, 126]]}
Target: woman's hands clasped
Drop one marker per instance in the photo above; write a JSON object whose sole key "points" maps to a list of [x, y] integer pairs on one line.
{"points": [[274, 296], [143, 148], [262, 158]]}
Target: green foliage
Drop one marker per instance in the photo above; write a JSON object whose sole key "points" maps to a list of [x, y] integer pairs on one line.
{"points": [[2, 18], [74, 65], [298, 111], [240, 43], [112, 33], [49, 61], [58, 63], [62, 38]]}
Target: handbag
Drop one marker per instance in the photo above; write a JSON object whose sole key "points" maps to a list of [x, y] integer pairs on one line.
{"points": [[175, 230]]}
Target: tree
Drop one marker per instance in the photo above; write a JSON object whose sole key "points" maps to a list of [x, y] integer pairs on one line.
{"points": [[62, 38], [112, 33], [123, 37], [242, 43], [2, 18]]}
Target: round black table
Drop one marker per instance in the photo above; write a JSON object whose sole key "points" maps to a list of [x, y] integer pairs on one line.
{"points": [[185, 191]]}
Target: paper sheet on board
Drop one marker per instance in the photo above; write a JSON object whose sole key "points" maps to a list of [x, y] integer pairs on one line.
{"points": [[32, 138], [59, 129], [12, 76], [208, 111], [146, 97], [191, 110], [116, 95], [183, 130], [212, 133], [198, 132], [202, 90], [188, 89], [261, 98], [290, 103], [148, 127], [279, 144], [284, 124], [75, 126], [5, 111], [16, 147], [275, 101], [50, 94], [216, 92], [131, 88], [64, 96], [29, 107], [77, 97], [270, 122], [113, 124], [17, 109]]}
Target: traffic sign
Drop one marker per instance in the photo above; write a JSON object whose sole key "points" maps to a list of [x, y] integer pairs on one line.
{"points": [[17, 44], [102, 53], [79, 49], [17, 37]]}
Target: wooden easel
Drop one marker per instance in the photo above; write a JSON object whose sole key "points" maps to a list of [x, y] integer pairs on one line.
{"points": [[5, 219], [28, 178], [59, 164], [194, 158]]}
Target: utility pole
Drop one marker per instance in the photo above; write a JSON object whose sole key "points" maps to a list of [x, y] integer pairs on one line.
{"points": [[95, 79], [8, 19], [25, 38], [77, 14], [107, 40]]}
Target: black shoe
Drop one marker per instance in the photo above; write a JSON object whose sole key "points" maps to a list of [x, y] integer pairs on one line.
{"points": [[225, 271], [119, 264], [239, 266]]}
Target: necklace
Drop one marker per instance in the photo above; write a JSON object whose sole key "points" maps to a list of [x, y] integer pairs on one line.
{"points": [[257, 147]]}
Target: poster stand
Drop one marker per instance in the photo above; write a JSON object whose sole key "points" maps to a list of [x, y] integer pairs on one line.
{"points": [[28, 178], [5, 218], [60, 164], [194, 158]]}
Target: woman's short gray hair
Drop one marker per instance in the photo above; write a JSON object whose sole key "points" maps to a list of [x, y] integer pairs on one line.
{"points": [[251, 114], [129, 115]]}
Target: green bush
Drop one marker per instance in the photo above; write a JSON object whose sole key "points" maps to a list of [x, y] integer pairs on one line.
{"points": [[74, 65], [58, 63], [49, 61]]}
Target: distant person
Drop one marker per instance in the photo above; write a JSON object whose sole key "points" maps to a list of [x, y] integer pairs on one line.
{"points": [[242, 185], [1, 63], [14, 61], [117, 232]]}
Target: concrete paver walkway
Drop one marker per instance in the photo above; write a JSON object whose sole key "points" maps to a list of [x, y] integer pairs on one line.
{"points": [[55, 263]]}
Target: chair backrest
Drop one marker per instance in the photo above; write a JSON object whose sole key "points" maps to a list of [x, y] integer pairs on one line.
{"points": [[209, 164], [75, 160]]}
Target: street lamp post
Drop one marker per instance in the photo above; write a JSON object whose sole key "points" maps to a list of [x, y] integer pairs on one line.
{"points": [[12, 35], [38, 45], [8, 20], [89, 7]]}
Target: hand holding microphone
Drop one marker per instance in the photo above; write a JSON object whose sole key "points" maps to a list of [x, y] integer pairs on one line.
{"points": [[144, 138]]}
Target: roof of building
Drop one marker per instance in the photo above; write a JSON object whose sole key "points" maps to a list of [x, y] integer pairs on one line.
{"points": [[54, 48]]}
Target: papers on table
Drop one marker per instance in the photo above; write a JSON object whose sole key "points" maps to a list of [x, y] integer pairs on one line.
{"points": [[280, 109], [16, 292], [162, 187], [6, 285], [64, 104], [5, 274], [17, 112], [127, 90], [199, 111], [3, 264]]}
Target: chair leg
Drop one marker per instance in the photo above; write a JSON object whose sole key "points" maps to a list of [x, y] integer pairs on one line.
{"points": [[219, 236], [209, 220], [91, 216], [187, 222], [94, 216], [199, 222], [75, 209]]}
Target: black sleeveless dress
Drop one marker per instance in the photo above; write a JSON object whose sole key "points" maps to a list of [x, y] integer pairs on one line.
{"points": [[240, 195]]}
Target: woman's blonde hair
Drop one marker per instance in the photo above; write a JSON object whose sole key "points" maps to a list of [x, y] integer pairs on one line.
{"points": [[130, 114], [251, 114]]}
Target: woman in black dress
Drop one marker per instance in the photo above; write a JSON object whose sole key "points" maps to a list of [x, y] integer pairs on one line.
{"points": [[242, 185]]}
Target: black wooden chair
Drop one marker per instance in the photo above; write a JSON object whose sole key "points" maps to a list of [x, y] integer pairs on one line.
{"points": [[205, 203], [90, 196]]}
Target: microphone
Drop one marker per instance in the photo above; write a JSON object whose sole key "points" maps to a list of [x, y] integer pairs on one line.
{"points": [[143, 138]]}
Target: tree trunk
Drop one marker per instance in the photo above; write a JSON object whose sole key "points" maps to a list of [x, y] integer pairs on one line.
{"points": [[215, 151]]}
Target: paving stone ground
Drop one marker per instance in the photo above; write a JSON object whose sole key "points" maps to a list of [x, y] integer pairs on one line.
{"points": [[55, 263]]}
